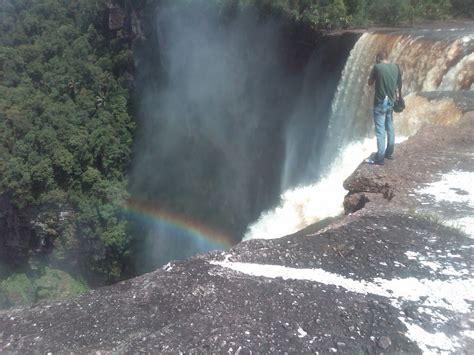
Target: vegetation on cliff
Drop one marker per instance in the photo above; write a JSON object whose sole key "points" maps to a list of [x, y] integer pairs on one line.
{"points": [[65, 127], [335, 14], [349, 13], [26, 287]]}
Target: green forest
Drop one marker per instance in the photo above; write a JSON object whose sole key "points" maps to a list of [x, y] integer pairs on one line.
{"points": [[67, 121], [337, 14], [65, 127]]}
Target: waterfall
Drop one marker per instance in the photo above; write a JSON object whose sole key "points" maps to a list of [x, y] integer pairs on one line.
{"points": [[460, 76], [424, 69], [430, 61], [217, 99], [305, 130]]}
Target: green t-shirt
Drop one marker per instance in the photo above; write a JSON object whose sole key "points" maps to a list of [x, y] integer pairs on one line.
{"points": [[385, 76]]}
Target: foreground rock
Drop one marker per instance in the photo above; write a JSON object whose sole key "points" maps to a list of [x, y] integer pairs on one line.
{"points": [[387, 278]]}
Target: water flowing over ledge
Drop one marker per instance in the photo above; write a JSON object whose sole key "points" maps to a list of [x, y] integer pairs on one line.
{"points": [[350, 124]]}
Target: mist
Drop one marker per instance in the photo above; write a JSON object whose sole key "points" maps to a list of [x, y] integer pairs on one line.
{"points": [[232, 110]]}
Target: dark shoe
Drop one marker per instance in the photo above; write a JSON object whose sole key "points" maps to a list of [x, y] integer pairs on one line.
{"points": [[389, 157], [374, 162]]}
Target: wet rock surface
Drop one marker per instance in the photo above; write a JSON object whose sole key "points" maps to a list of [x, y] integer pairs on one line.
{"points": [[464, 99], [388, 278]]}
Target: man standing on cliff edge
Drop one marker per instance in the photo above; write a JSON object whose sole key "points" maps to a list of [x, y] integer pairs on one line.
{"points": [[387, 78]]}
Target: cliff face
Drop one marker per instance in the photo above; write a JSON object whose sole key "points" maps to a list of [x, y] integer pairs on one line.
{"points": [[124, 18], [26, 231], [389, 277], [14, 229]]}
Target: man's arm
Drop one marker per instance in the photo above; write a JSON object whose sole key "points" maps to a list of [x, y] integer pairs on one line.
{"points": [[372, 77]]}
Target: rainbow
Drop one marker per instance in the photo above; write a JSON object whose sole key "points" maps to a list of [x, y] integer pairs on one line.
{"points": [[183, 224]]}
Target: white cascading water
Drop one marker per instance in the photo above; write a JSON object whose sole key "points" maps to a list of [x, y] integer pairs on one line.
{"points": [[459, 71], [304, 205], [429, 63]]}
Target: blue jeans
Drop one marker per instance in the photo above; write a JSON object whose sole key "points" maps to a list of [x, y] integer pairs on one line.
{"points": [[383, 119]]}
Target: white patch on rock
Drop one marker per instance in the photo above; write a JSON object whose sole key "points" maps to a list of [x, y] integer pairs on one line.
{"points": [[450, 294], [412, 255], [168, 267], [433, 265], [433, 313], [454, 295], [430, 343], [301, 333], [465, 224], [456, 186], [468, 333]]}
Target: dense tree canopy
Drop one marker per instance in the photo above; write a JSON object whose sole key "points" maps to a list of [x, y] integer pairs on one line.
{"points": [[334, 14], [65, 130]]}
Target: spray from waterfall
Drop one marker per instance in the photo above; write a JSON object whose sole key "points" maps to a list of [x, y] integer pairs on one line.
{"points": [[215, 94], [205, 123], [305, 131]]}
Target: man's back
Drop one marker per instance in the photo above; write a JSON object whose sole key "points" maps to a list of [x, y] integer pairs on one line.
{"points": [[385, 76]]}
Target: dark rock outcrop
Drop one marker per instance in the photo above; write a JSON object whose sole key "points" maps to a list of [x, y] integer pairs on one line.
{"points": [[124, 18], [26, 231]]}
